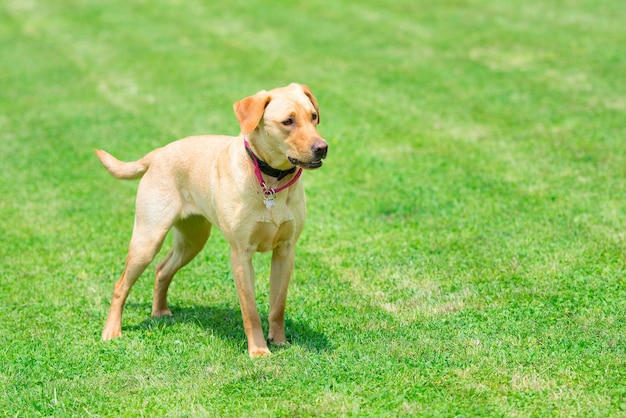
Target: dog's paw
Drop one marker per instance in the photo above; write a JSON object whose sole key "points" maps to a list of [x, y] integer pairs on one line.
{"points": [[281, 342], [109, 334], [161, 312], [259, 352]]}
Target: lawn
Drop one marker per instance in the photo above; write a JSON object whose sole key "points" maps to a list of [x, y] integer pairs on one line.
{"points": [[465, 248]]}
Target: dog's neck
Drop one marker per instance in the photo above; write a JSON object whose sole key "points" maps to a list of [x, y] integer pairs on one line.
{"points": [[266, 168]]}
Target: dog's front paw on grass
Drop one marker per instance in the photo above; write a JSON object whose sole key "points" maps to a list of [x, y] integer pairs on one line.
{"points": [[110, 333], [259, 352], [278, 342], [161, 313]]}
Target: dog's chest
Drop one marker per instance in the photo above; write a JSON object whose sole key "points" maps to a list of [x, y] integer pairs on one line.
{"points": [[280, 208], [269, 235], [277, 225], [275, 214]]}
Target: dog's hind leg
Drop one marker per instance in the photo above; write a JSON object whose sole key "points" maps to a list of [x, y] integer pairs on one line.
{"points": [[152, 223], [141, 253], [190, 235]]}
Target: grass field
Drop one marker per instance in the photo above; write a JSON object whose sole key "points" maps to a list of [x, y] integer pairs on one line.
{"points": [[465, 248]]}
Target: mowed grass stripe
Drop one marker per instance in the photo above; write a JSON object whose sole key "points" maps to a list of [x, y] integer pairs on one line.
{"points": [[464, 251]]}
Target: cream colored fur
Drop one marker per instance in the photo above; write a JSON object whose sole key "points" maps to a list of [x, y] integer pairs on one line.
{"points": [[197, 182]]}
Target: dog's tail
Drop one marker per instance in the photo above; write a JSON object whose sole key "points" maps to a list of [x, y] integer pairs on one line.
{"points": [[123, 170]]}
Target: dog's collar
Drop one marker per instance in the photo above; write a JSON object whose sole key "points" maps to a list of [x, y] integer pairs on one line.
{"points": [[265, 167], [269, 192]]}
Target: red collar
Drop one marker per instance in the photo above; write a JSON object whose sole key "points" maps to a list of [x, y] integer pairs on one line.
{"points": [[268, 191]]}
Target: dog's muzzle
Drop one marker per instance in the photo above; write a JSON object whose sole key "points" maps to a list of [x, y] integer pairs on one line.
{"points": [[319, 150]]}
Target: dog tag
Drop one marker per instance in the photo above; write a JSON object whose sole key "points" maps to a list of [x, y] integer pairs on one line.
{"points": [[269, 202]]}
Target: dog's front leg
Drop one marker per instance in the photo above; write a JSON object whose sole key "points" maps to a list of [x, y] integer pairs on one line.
{"points": [[282, 266], [243, 271]]}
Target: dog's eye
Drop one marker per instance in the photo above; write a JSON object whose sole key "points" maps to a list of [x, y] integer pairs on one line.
{"points": [[314, 117], [288, 122]]}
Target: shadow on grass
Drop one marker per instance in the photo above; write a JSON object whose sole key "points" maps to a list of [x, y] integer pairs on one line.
{"points": [[227, 323]]}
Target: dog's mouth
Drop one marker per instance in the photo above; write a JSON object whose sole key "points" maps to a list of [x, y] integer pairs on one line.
{"points": [[310, 165]]}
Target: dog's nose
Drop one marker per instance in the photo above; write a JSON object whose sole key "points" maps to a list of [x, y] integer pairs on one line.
{"points": [[319, 149]]}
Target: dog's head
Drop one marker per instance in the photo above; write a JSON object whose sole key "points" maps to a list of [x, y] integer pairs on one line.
{"points": [[281, 125]]}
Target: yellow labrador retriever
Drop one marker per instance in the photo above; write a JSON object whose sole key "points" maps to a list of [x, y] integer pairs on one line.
{"points": [[247, 186]]}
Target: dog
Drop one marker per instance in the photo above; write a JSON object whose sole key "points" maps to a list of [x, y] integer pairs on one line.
{"points": [[247, 186]]}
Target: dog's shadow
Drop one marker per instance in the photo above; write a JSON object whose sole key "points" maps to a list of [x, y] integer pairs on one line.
{"points": [[226, 322]]}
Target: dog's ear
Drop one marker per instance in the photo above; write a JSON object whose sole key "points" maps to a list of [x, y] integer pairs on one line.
{"points": [[249, 111], [313, 100]]}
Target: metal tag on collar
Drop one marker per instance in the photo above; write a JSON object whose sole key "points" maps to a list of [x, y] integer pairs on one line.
{"points": [[269, 201], [268, 196]]}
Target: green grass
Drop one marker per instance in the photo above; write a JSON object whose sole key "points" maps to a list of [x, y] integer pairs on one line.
{"points": [[464, 253]]}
